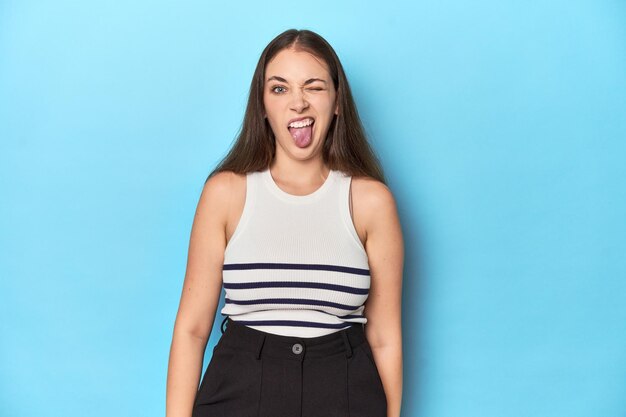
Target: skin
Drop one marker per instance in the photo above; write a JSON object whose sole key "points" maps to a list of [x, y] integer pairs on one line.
{"points": [[297, 171]]}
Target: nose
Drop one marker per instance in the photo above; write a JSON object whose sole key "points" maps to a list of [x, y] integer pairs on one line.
{"points": [[298, 101]]}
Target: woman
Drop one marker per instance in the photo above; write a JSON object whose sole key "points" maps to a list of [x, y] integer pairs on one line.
{"points": [[297, 224]]}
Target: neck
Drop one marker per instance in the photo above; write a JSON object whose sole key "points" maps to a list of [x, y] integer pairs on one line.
{"points": [[301, 174]]}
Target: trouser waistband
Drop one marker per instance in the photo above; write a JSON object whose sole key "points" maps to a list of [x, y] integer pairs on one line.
{"points": [[241, 337]]}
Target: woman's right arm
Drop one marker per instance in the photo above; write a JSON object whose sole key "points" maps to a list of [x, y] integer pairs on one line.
{"points": [[200, 296]]}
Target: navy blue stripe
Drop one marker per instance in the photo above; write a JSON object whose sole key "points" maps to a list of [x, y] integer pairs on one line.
{"points": [[291, 301], [311, 267], [352, 316], [296, 323], [296, 284], [348, 316]]}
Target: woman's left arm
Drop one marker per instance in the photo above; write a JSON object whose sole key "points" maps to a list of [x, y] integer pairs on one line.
{"points": [[385, 251]]}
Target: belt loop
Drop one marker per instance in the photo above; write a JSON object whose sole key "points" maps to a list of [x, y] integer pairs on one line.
{"points": [[259, 347], [222, 326], [346, 341]]}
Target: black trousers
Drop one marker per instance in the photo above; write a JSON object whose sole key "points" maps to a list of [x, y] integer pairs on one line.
{"points": [[259, 374]]}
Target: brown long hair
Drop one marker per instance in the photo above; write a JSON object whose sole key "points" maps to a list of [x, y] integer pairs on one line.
{"points": [[346, 147]]}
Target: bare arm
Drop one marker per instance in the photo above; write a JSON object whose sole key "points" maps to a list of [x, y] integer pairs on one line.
{"points": [[200, 296], [385, 250]]}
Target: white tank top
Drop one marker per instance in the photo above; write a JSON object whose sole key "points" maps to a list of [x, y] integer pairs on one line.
{"points": [[295, 265]]}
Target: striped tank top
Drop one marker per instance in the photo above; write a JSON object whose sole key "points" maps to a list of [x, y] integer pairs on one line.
{"points": [[295, 265]]}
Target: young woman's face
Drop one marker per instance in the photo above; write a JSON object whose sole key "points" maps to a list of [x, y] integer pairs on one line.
{"points": [[298, 86]]}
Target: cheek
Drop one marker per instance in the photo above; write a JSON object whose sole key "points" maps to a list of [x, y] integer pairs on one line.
{"points": [[267, 100], [271, 105], [324, 104], [274, 125], [266, 105]]}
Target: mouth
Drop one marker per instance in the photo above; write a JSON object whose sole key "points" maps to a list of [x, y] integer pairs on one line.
{"points": [[301, 122], [301, 130]]}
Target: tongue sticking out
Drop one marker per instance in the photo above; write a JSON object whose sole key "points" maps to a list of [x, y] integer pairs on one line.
{"points": [[301, 135]]}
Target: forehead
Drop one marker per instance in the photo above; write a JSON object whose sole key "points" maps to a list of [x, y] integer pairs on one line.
{"points": [[292, 64]]}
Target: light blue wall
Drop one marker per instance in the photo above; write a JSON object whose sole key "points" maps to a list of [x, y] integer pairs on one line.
{"points": [[501, 126]]}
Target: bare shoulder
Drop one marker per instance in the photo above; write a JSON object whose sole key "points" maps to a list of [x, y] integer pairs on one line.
{"points": [[217, 194], [372, 196], [374, 205], [216, 191], [227, 192], [371, 190]]}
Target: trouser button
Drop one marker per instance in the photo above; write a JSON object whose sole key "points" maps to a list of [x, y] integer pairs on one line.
{"points": [[297, 348]]}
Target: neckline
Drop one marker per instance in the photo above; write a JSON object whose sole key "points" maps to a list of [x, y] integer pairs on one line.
{"points": [[293, 197]]}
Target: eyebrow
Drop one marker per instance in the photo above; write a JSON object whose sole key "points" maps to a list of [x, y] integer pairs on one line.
{"points": [[309, 81]]}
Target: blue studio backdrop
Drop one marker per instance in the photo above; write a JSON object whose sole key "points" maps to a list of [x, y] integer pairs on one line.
{"points": [[501, 126]]}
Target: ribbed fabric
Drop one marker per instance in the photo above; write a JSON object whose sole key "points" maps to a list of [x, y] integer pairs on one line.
{"points": [[295, 265]]}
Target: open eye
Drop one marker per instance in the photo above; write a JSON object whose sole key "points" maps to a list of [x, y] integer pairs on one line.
{"points": [[278, 86]]}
